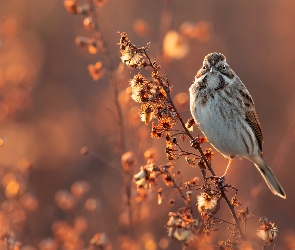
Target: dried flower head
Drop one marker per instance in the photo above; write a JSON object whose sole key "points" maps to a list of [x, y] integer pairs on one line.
{"points": [[191, 185], [181, 227], [190, 123], [146, 113], [88, 23], [206, 201], [184, 235], [96, 70], [145, 177], [140, 88], [166, 123], [82, 41], [92, 204], [267, 231], [127, 161], [244, 214], [156, 131], [29, 202], [209, 154], [83, 9], [92, 47], [160, 196], [80, 188], [130, 56], [100, 240], [64, 200], [71, 6]]}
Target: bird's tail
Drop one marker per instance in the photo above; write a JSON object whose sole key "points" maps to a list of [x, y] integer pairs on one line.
{"points": [[268, 175]]}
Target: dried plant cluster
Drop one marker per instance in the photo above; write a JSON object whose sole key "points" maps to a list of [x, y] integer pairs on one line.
{"points": [[93, 45], [17, 202], [189, 223], [19, 205]]}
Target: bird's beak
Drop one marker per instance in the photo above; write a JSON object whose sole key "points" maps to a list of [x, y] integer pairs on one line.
{"points": [[212, 69]]}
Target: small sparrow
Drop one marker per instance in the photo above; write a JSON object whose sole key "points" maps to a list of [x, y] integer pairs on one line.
{"points": [[225, 112]]}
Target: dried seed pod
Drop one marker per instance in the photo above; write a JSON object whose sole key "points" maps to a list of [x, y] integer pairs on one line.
{"points": [[83, 9], [96, 70], [88, 23], [82, 41], [146, 113], [71, 6], [127, 161]]}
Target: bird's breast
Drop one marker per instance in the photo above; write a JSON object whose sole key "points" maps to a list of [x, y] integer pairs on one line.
{"points": [[219, 116]]}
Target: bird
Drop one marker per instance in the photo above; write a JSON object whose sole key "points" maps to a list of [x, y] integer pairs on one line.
{"points": [[224, 110]]}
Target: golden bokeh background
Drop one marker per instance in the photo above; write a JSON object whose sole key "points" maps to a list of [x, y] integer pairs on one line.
{"points": [[53, 196]]}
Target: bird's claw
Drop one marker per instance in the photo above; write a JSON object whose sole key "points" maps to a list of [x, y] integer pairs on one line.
{"points": [[222, 178]]}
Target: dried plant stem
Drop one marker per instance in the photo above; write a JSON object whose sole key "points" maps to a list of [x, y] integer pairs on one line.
{"points": [[198, 147], [113, 79], [114, 82], [233, 212], [127, 186], [179, 190]]}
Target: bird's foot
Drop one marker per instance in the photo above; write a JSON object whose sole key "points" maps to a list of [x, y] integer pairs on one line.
{"points": [[222, 178]]}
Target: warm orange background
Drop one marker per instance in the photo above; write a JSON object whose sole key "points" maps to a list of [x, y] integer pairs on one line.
{"points": [[50, 107]]}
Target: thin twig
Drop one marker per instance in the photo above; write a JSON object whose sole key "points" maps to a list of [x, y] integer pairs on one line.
{"points": [[179, 190], [223, 221], [114, 82], [113, 79]]}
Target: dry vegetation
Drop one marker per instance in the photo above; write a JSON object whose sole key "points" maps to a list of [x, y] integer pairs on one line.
{"points": [[155, 167]]}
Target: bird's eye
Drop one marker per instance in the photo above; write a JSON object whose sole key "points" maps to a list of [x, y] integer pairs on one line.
{"points": [[204, 67], [224, 68]]}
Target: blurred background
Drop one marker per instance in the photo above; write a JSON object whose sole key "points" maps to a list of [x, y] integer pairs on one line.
{"points": [[55, 197]]}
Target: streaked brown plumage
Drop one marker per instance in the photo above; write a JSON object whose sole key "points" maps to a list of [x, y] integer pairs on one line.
{"points": [[225, 112]]}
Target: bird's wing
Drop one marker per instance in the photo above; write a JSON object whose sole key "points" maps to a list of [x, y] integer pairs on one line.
{"points": [[251, 116]]}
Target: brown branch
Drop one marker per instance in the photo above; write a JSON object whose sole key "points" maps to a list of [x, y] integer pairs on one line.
{"points": [[179, 190], [198, 147], [233, 212], [186, 200]]}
